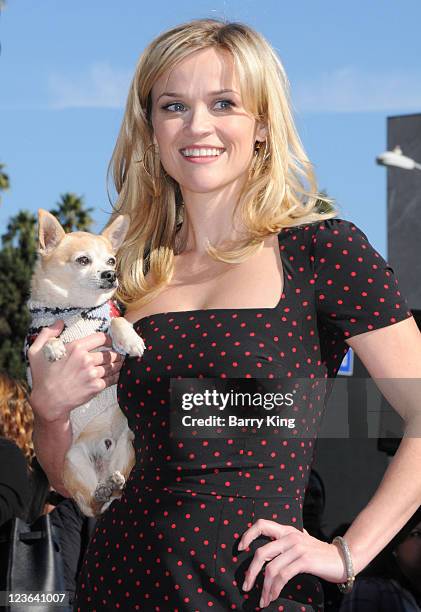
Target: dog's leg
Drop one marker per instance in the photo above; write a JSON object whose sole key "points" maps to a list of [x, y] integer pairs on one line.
{"points": [[124, 457], [54, 349], [80, 479], [121, 464], [125, 339]]}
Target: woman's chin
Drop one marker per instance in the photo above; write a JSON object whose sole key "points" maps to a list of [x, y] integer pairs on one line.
{"points": [[208, 184], [210, 187]]}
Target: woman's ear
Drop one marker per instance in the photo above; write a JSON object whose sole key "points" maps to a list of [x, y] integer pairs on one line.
{"points": [[151, 125], [261, 132]]}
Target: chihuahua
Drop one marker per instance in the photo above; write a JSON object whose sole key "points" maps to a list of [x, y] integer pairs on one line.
{"points": [[74, 280]]}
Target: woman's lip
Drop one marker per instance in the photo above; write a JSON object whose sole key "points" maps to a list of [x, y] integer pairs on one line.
{"points": [[205, 159]]}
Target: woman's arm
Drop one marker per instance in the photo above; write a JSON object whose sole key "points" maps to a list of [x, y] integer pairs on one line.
{"points": [[59, 387], [392, 356], [392, 351], [51, 441]]}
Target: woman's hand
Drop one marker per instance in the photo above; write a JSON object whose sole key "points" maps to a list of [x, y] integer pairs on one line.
{"points": [[291, 552], [60, 386]]}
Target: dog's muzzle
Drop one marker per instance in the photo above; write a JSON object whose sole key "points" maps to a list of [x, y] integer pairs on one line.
{"points": [[109, 279]]}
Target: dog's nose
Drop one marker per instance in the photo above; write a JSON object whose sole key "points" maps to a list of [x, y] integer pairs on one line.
{"points": [[108, 275]]}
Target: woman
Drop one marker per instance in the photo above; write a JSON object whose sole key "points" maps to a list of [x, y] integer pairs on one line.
{"points": [[25, 493], [230, 270], [23, 487]]}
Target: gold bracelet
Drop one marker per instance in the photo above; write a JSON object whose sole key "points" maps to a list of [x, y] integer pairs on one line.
{"points": [[346, 587]]}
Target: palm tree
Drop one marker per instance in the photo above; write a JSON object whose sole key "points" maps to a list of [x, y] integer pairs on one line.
{"points": [[322, 206], [17, 258], [72, 213], [20, 234], [4, 178]]}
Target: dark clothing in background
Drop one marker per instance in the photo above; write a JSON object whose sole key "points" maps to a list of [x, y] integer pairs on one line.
{"points": [[24, 493], [372, 594], [74, 530], [15, 485], [40, 491]]}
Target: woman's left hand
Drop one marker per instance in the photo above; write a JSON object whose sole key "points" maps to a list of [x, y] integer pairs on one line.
{"points": [[291, 552]]}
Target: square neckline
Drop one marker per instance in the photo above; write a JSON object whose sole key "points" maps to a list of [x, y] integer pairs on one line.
{"points": [[138, 322]]}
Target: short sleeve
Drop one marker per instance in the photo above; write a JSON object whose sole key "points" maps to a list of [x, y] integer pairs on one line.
{"points": [[356, 290]]}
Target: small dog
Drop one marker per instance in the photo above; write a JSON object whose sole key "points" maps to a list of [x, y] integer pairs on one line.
{"points": [[74, 279]]}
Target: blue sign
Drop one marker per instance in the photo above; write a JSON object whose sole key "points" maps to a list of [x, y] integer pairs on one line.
{"points": [[347, 365]]}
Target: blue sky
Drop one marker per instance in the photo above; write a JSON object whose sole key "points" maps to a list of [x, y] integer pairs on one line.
{"points": [[65, 69]]}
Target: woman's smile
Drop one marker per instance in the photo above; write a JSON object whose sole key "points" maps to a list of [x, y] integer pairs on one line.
{"points": [[201, 155]]}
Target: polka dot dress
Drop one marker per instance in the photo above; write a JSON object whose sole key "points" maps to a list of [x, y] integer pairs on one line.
{"points": [[170, 542]]}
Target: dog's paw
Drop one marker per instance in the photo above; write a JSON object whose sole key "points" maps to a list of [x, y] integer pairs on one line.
{"points": [[131, 344], [103, 491], [112, 484], [118, 480], [54, 349], [125, 339]]}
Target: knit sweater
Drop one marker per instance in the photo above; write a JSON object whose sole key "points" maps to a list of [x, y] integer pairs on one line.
{"points": [[78, 323]]}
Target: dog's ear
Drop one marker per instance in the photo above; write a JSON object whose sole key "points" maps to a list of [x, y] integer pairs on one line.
{"points": [[117, 231], [50, 232]]}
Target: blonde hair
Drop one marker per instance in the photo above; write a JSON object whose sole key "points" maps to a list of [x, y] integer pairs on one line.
{"points": [[276, 194], [16, 417]]}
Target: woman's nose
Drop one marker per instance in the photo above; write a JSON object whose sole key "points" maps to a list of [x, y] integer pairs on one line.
{"points": [[199, 119]]}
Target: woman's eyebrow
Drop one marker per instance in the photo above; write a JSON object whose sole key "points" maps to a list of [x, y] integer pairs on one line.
{"points": [[174, 94]]}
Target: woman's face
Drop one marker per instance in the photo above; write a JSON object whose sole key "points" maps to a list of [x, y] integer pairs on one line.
{"points": [[205, 137]]}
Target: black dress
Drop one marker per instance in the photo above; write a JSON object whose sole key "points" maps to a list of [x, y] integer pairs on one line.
{"points": [[170, 543]]}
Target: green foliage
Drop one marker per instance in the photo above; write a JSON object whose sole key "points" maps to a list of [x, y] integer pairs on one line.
{"points": [[17, 259], [4, 178], [325, 207], [72, 213]]}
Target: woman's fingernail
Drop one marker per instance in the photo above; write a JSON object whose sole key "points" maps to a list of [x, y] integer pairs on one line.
{"points": [[245, 585], [240, 546], [261, 602]]}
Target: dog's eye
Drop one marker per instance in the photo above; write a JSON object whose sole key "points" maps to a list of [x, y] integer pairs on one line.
{"points": [[83, 261], [111, 262]]}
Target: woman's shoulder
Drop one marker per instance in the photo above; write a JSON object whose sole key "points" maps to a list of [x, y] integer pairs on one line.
{"points": [[11, 449], [334, 234], [329, 239], [335, 226], [13, 464]]}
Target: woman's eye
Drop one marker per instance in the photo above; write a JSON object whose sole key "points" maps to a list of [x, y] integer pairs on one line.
{"points": [[83, 261], [167, 107], [179, 107], [226, 101]]}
